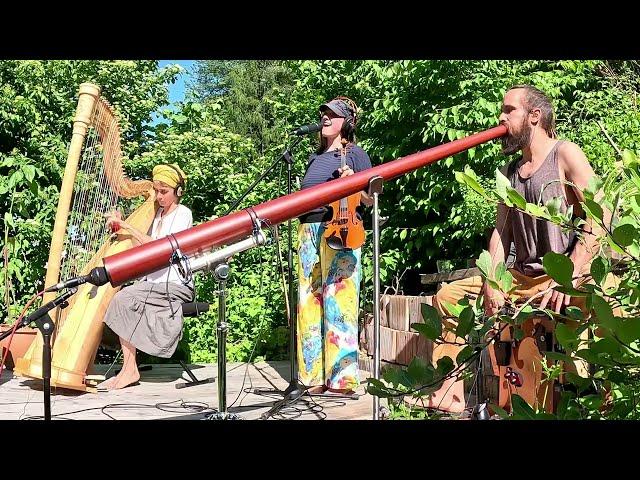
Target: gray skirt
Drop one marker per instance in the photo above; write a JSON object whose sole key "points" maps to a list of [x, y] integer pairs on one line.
{"points": [[149, 316]]}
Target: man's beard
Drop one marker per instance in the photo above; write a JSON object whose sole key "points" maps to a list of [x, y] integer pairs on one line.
{"points": [[511, 143]]}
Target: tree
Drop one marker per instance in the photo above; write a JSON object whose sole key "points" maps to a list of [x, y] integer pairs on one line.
{"points": [[246, 90]]}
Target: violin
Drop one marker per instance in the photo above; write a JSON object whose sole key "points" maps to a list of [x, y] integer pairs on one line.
{"points": [[345, 230]]}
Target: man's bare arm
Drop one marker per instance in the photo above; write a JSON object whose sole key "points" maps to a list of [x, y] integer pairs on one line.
{"points": [[578, 171]]}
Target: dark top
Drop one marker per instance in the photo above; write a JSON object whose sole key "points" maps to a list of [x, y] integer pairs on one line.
{"points": [[533, 238], [323, 168]]}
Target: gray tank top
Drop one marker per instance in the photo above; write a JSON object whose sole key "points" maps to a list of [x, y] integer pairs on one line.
{"points": [[534, 238]]}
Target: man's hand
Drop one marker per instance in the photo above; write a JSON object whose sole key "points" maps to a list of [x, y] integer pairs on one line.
{"points": [[556, 300], [493, 300]]}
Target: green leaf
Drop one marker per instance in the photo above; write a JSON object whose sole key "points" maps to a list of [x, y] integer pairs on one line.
{"points": [[594, 185], [397, 376], [566, 337], [470, 182], [465, 322], [502, 183], [605, 345], [502, 413], [493, 284], [484, 263], [624, 235], [517, 199], [618, 377], [432, 326], [536, 210], [455, 310], [563, 404], [378, 389], [521, 409], [8, 219], [15, 178], [507, 281], [464, 354], [629, 330], [499, 272], [592, 402], [553, 205], [578, 381], [593, 209], [572, 291], [545, 416], [574, 312], [420, 371], [559, 267], [29, 172], [471, 152], [593, 357], [628, 158], [444, 366], [603, 312], [598, 270], [559, 357], [180, 119]]}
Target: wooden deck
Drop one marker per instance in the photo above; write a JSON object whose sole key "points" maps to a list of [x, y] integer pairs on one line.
{"points": [[156, 397]]}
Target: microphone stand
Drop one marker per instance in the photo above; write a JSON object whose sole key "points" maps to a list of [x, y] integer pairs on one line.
{"points": [[294, 390], [45, 324]]}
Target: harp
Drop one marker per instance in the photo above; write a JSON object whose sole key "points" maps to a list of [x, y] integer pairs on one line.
{"points": [[93, 183]]}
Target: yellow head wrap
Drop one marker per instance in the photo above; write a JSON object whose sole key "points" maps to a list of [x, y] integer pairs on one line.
{"points": [[169, 174]]}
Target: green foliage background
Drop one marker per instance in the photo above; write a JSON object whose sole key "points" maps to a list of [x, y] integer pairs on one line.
{"points": [[234, 125]]}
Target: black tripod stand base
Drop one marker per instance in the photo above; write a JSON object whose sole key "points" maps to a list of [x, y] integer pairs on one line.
{"points": [[222, 416], [296, 394], [341, 396], [193, 384], [193, 380], [294, 390]]}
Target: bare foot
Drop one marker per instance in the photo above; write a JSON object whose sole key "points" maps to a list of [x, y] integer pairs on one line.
{"points": [[316, 389], [341, 391], [124, 380], [107, 384]]}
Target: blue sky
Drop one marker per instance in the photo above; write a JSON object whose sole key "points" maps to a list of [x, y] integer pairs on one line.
{"points": [[177, 90]]}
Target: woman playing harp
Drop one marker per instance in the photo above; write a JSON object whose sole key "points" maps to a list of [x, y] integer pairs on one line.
{"points": [[148, 314]]}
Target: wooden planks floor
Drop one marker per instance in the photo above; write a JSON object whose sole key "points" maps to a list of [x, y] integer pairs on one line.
{"points": [[156, 397]]}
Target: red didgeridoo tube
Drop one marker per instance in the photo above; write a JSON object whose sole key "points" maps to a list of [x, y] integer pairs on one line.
{"points": [[144, 259]]}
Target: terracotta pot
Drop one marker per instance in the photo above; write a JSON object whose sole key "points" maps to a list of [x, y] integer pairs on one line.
{"points": [[19, 345]]}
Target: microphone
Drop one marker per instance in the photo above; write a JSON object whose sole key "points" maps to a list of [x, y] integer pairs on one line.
{"points": [[314, 127], [49, 306], [97, 276]]}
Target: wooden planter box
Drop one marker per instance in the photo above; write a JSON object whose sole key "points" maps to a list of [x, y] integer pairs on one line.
{"points": [[21, 342], [400, 345]]}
